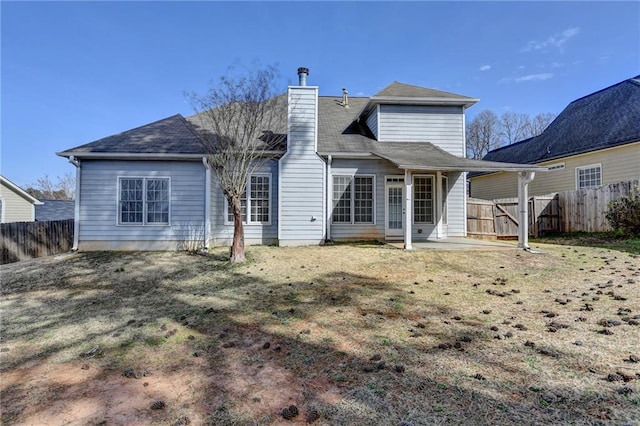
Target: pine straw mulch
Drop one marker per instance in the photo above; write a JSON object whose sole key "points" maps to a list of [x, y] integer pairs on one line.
{"points": [[348, 334]]}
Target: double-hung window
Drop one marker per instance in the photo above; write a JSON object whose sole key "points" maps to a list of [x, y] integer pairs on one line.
{"points": [[143, 201], [422, 199], [353, 199], [258, 204], [588, 176]]}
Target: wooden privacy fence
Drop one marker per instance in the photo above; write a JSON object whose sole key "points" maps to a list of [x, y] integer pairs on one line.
{"points": [[568, 211], [27, 240], [585, 209]]}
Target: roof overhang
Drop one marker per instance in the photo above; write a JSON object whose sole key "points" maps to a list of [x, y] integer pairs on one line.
{"points": [[143, 156]]}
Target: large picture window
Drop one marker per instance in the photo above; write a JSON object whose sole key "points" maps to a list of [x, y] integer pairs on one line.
{"points": [[143, 201], [588, 176], [353, 199], [422, 199], [258, 204]]}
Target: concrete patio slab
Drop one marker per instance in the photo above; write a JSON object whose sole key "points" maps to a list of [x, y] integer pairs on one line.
{"points": [[460, 244]]}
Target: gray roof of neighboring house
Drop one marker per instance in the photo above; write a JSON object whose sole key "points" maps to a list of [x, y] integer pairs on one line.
{"points": [[55, 210], [604, 119]]}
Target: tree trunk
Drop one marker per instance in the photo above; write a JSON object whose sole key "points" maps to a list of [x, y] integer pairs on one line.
{"points": [[237, 247]]}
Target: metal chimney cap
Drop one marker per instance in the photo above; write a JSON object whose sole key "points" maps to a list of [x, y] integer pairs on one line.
{"points": [[302, 70]]}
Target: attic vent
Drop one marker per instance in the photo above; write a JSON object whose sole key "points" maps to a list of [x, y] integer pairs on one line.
{"points": [[345, 98]]}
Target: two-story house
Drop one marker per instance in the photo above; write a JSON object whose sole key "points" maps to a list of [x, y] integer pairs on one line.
{"points": [[388, 167]]}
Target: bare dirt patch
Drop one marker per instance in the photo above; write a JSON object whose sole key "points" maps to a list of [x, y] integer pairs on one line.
{"points": [[346, 334]]}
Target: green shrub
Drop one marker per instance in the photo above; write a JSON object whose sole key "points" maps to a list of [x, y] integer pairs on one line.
{"points": [[624, 215]]}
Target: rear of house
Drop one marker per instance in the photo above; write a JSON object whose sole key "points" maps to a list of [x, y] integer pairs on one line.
{"points": [[388, 167]]}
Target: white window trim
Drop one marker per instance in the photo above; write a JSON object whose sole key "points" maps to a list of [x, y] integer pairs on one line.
{"points": [[589, 166], [144, 202], [353, 199], [433, 199], [248, 221]]}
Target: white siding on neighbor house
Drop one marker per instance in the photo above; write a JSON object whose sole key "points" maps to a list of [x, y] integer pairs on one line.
{"points": [[16, 208], [99, 227], [617, 164], [301, 185], [372, 122], [443, 126], [254, 233]]}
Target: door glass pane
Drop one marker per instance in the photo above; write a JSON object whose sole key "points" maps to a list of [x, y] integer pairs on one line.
{"points": [[395, 208]]}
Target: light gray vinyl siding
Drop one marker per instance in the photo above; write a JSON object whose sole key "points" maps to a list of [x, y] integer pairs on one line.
{"points": [[372, 122], [442, 126], [254, 233], [456, 205], [99, 202], [301, 173], [379, 169]]}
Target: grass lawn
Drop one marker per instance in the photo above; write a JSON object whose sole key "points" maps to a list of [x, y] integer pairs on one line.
{"points": [[348, 334]]}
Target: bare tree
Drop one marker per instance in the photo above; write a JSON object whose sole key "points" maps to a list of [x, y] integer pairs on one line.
{"points": [[483, 134], [513, 127], [539, 123], [45, 189], [241, 121]]}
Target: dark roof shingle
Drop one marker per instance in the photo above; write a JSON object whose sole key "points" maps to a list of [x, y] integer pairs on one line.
{"points": [[604, 119]]}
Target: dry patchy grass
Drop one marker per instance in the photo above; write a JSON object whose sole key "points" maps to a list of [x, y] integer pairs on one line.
{"points": [[348, 334]]}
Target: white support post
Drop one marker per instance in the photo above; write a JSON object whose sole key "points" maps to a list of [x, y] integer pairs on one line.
{"points": [[408, 204], [438, 191], [524, 178]]}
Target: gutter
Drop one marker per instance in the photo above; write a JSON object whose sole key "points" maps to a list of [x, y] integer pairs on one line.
{"points": [[76, 213]]}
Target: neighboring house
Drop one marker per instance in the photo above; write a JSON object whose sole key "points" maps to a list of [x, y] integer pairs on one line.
{"points": [[594, 141], [16, 205], [389, 167], [55, 210]]}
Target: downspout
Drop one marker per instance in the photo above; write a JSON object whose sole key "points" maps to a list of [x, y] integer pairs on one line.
{"points": [[207, 202], [524, 178], [76, 212], [329, 198]]}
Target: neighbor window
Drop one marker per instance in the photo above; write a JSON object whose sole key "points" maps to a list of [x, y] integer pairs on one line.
{"points": [[143, 201], [588, 176], [353, 199], [259, 202], [422, 199]]}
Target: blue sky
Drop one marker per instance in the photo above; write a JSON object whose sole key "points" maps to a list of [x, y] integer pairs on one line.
{"points": [[74, 72]]}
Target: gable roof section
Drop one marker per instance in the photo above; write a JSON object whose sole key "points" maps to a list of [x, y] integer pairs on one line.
{"points": [[604, 119], [169, 136], [21, 192], [341, 133]]}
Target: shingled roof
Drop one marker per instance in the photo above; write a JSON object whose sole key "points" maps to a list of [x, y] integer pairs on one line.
{"points": [[604, 119], [169, 136], [341, 133]]}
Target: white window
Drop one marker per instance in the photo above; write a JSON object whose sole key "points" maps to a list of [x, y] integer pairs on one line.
{"points": [[422, 199], [353, 199], [588, 176], [143, 201], [258, 203]]}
